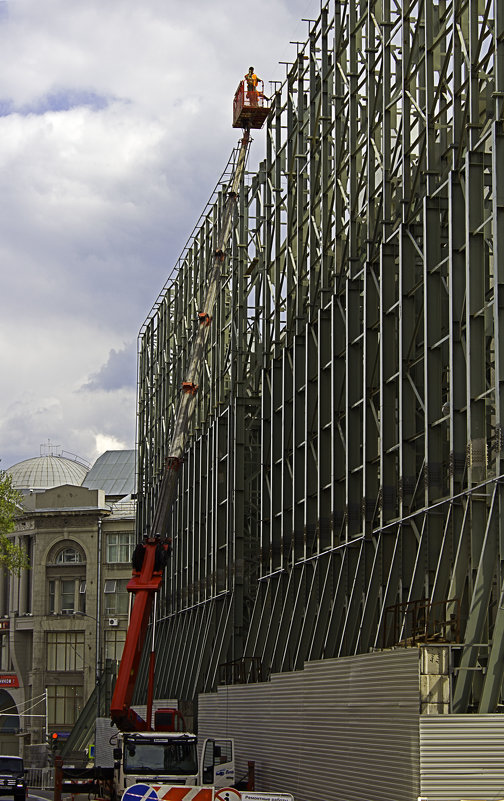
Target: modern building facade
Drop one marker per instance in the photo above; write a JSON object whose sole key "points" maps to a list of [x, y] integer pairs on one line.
{"points": [[64, 620]]}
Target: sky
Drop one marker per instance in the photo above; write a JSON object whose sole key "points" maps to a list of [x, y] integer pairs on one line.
{"points": [[115, 126]]}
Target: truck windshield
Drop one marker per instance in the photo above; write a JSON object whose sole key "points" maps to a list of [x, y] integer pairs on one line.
{"points": [[177, 757]]}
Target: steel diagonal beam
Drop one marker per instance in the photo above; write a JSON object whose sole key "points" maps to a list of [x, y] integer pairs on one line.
{"points": [[184, 657], [257, 630], [391, 550], [222, 639], [321, 622], [203, 655], [166, 632], [370, 609], [356, 564], [492, 684], [325, 435], [289, 657], [340, 579], [478, 609], [283, 587], [416, 569], [492, 681], [439, 588], [187, 677]]}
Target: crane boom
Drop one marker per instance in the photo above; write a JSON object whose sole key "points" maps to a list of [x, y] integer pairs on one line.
{"points": [[181, 428], [150, 556]]}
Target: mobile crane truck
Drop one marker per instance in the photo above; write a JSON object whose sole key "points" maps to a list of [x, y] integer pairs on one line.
{"points": [[154, 761]]}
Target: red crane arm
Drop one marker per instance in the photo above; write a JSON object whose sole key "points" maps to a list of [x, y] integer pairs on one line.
{"points": [[144, 585]]}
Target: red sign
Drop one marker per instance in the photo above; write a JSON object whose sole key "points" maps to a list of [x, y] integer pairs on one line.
{"points": [[8, 680]]}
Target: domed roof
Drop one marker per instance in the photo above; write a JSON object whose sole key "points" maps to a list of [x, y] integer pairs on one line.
{"points": [[44, 472]]}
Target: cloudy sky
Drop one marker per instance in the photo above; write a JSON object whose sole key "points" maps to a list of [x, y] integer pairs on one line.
{"points": [[115, 125]]}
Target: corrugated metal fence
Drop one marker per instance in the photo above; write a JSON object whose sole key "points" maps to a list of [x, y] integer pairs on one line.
{"points": [[340, 730], [462, 757]]}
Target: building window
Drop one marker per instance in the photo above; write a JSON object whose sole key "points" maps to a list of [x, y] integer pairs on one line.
{"points": [[68, 556], [65, 650], [52, 597], [5, 660], [114, 644], [116, 597], [64, 704], [67, 596], [120, 546]]}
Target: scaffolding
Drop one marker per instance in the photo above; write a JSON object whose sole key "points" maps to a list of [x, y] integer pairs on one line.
{"points": [[347, 450]]}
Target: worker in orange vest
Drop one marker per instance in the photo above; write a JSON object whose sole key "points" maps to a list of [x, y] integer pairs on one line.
{"points": [[252, 81]]}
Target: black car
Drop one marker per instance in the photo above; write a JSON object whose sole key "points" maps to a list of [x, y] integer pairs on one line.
{"points": [[12, 777]]}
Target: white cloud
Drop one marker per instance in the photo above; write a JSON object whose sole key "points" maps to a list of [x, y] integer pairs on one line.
{"points": [[115, 123], [118, 372], [105, 443]]}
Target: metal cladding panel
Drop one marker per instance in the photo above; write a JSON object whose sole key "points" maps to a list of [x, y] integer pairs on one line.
{"points": [[339, 730], [461, 756]]}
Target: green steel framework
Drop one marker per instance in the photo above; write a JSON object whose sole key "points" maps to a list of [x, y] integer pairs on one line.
{"points": [[347, 452]]}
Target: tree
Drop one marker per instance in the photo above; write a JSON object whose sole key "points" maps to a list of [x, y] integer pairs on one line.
{"points": [[12, 556]]}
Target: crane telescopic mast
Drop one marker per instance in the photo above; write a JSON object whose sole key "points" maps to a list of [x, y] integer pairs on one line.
{"points": [[150, 556]]}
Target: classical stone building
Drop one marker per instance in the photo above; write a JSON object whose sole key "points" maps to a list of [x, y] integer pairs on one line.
{"points": [[65, 618]]}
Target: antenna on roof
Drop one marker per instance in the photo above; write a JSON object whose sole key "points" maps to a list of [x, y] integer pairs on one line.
{"points": [[49, 449]]}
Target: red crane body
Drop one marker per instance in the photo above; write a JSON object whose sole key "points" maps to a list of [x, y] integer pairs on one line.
{"points": [[144, 586]]}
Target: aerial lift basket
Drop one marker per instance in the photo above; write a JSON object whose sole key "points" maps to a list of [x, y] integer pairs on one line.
{"points": [[250, 107]]}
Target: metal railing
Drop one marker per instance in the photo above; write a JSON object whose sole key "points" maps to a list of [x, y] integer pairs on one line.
{"points": [[416, 622], [241, 671], [40, 778]]}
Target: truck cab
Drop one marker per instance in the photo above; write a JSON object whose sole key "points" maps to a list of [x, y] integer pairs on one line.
{"points": [[170, 758]]}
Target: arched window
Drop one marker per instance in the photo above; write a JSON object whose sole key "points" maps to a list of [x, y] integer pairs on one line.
{"points": [[66, 579], [68, 556]]}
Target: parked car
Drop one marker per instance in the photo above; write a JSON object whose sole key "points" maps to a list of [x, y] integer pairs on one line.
{"points": [[12, 778]]}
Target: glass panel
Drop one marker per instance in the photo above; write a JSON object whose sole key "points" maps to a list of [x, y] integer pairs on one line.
{"points": [[63, 704], [52, 597], [117, 604], [114, 644], [68, 595], [120, 546], [65, 650], [5, 661], [208, 762], [68, 556]]}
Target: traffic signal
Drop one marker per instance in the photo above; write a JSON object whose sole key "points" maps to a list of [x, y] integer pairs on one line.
{"points": [[54, 741]]}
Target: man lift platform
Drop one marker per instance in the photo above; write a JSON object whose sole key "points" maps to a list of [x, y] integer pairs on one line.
{"points": [[250, 106]]}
